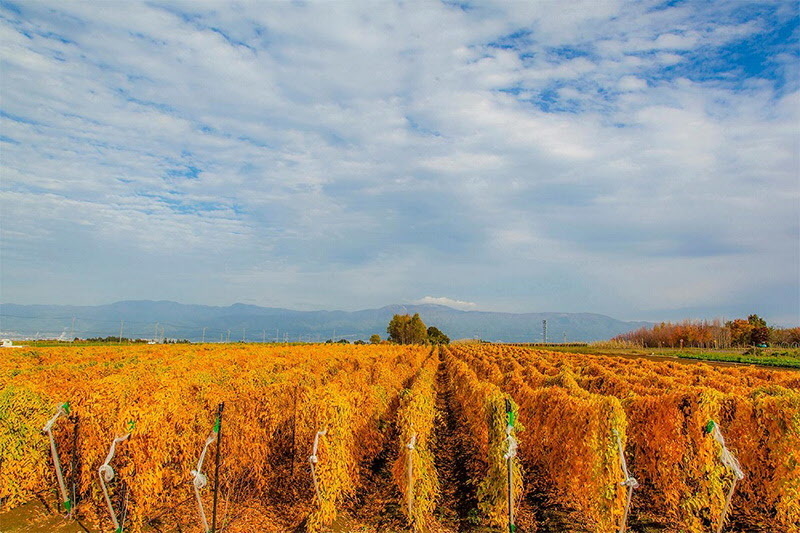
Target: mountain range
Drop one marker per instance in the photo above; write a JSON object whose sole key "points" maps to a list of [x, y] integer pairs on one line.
{"points": [[163, 319]]}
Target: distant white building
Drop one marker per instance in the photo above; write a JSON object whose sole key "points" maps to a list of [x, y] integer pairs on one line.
{"points": [[7, 343]]}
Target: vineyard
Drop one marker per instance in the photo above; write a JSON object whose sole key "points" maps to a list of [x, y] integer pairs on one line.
{"points": [[396, 438]]}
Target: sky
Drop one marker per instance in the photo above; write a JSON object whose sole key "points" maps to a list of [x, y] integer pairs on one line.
{"points": [[636, 159]]}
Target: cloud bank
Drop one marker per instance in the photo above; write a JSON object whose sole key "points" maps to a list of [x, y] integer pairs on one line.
{"points": [[633, 158]]}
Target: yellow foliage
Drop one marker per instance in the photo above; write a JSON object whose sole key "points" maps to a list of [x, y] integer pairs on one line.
{"points": [[415, 420], [276, 398], [480, 407], [572, 405]]}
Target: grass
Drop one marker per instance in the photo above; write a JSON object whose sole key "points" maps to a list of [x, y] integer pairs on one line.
{"points": [[781, 357]]}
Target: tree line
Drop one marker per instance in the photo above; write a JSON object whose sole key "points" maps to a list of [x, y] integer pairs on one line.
{"points": [[404, 329], [407, 329], [752, 331]]}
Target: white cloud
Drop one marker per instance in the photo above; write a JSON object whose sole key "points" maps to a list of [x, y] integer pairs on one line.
{"points": [[304, 152], [463, 163], [449, 302], [632, 83]]}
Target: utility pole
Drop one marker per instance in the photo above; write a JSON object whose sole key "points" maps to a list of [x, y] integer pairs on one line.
{"points": [[243, 333], [544, 331], [73, 329], [204, 336], [121, 323], [565, 337], [229, 336], [155, 333]]}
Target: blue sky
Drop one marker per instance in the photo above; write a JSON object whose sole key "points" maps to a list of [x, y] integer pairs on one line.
{"points": [[638, 159]]}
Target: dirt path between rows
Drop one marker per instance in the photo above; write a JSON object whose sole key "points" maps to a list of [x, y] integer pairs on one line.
{"points": [[457, 506]]}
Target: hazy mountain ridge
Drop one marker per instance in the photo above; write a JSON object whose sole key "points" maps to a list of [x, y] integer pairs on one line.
{"points": [[148, 319]]}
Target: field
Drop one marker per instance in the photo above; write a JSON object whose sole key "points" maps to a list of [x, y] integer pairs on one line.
{"points": [[408, 438], [773, 356]]}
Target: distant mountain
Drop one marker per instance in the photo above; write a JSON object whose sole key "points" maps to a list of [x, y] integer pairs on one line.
{"points": [[148, 319]]}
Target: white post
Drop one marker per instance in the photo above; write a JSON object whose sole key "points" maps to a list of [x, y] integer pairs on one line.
{"points": [[106, 475], [63, 410], [200, 480], [410, 477], [313, 459], [730, 461], [629, 482]]}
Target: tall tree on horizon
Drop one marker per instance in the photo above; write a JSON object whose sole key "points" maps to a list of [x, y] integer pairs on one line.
{"points": [[406, 329]]}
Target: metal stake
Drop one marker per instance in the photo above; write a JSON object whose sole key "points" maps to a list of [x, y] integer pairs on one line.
{"points": [[216, 466]]}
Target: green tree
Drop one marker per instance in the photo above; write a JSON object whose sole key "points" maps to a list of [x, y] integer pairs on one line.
{"points": [[397, 328], [405, 329], [435, 336], [756, 321], [418, 331], [375, 339], [760, 333]]}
